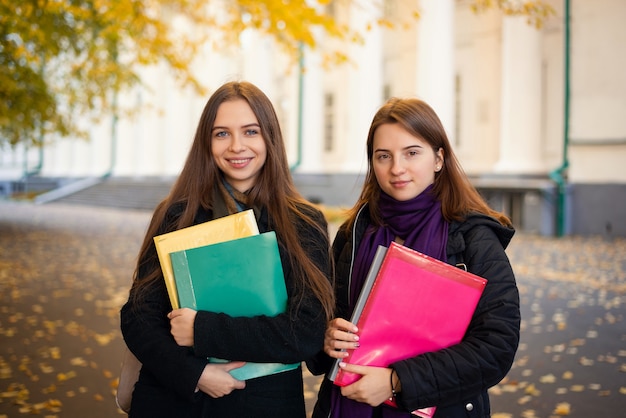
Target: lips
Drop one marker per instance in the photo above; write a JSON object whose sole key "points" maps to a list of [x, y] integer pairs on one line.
{"points": [[400, 183], [239, 161]]}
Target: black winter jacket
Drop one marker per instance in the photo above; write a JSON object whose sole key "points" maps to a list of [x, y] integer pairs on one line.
{"points": [[168, 378], [455, 379]]}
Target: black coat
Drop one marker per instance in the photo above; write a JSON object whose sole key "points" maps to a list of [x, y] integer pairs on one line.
{"points": [[168, 378], [455, 379]]}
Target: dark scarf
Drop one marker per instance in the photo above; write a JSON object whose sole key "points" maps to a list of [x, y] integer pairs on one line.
{"points": [[419, 222], [227, 200]]}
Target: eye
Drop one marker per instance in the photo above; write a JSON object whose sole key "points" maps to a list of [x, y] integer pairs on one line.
{"points": [[252, 132], [382, 156], [220, 134]]}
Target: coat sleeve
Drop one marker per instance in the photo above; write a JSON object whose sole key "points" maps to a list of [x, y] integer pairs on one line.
{"points": [[321, 363], [146, 331], [291, 337], [486, 353]]}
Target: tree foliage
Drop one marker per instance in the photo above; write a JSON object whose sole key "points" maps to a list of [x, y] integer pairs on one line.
{"points": [[536, 12], [63, 60]]}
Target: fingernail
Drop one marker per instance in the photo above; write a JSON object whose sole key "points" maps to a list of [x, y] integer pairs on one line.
{"points": [[357, 345], [342, 364]]}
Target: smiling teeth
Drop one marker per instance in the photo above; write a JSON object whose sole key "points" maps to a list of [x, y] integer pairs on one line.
{"points": [[239, 161]]}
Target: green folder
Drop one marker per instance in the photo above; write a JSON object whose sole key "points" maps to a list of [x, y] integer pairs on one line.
{"points": [[241, 277]]}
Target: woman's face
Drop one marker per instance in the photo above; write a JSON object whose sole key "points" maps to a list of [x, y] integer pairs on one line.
{"points": [[404, 164], [237, 144]]}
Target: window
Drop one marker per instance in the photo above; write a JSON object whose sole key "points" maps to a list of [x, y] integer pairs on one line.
{"points": [[329, 121]]}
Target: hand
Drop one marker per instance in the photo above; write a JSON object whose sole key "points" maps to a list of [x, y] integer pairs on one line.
{"points": [[216, 381], [181, 323], [340, 335], [373, 388]]}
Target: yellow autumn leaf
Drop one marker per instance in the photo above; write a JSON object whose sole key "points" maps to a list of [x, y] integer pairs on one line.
{"points": [[103, 339], [562, 409], [62, 377], [50, 389], [55, 352], [45, 368], [78, 361], [532, 390]]}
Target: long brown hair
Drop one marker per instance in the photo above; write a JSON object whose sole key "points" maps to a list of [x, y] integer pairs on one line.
{"points": [[273, 190], [452, 187]]}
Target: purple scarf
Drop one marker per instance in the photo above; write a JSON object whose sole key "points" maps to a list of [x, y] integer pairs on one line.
{"points": [[419, 222]]}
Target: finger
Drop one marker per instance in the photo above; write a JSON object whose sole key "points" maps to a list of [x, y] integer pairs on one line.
{"points": [[353, 368], [234, 365], [343, 345], [343, 324], [342, 340], [336, 353], [346, 336], [175, 313]]}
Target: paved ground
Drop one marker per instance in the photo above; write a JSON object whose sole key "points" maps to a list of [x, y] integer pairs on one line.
{"points": [[65, 271]]}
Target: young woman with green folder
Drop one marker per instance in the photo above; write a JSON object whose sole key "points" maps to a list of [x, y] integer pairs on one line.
{"points": [[237, 161]]}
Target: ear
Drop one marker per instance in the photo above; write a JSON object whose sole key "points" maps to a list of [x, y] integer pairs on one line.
{"points": [[439, 160]]}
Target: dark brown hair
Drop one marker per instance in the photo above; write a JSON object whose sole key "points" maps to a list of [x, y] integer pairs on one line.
{"points": [[452, 187], [274, 190]]}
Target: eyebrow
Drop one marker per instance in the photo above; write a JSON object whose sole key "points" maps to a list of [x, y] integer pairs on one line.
{"points": [[250, 125], [403, 149]]}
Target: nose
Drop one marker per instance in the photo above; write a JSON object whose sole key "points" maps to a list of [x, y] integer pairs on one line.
{"points": [[236, 143], [397, 167]]}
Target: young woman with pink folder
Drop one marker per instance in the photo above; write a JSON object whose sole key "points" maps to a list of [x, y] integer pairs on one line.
{"points": [[416, 194]]}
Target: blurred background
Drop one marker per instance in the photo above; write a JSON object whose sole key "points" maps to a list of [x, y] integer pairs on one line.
{"points": [[101, 99]]}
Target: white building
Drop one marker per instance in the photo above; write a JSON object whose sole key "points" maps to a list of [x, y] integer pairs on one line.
{"points": [[537, 116]]}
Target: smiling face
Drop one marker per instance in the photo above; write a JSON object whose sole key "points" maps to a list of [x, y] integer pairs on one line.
{"points": [[404, 165], [237, 144]]}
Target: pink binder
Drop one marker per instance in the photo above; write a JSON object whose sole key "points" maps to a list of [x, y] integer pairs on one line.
{"points": [[417, 304]]}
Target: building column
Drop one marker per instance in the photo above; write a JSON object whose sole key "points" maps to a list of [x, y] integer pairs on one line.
{"points": [[312, 102], [435, 59], [520, 118], [364, 85]]}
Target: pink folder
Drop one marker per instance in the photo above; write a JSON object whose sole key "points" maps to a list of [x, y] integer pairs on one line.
{"points": [[417, 304]]}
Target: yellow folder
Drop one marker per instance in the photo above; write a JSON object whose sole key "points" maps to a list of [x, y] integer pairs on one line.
{"points": [[238, 225]]}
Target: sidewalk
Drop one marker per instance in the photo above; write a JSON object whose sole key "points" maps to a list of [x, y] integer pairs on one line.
{"points": [[65, 271]]}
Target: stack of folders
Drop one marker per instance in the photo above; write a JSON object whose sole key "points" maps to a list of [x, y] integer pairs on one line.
{"points": [[410, 304], [226, 266]]}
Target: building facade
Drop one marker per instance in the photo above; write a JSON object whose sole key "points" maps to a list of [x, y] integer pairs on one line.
{"points": [[537, 117]]}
